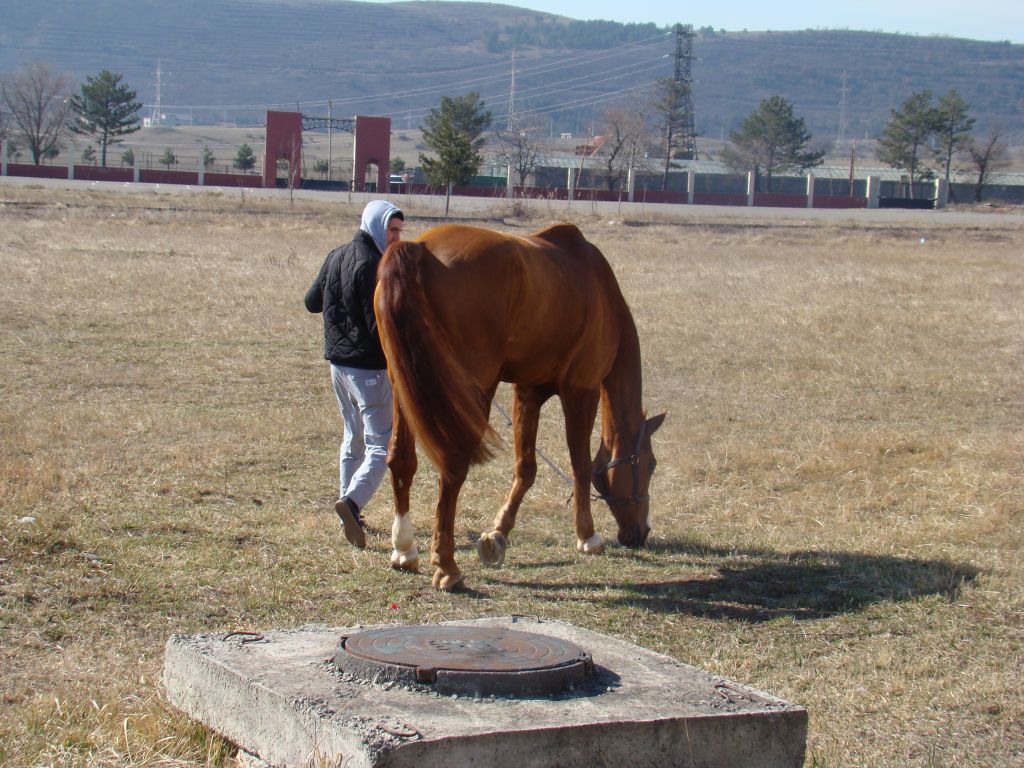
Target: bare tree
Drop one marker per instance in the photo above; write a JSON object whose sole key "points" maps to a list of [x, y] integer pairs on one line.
{"points": [[38, 103], [627, 135], [988, 155], [521, 147], [294, 179]]}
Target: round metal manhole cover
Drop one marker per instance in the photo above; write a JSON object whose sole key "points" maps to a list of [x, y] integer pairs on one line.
{"points": [[477, 661]]}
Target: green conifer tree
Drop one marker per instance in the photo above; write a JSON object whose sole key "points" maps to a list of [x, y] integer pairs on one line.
{"points": [[106, 110]]}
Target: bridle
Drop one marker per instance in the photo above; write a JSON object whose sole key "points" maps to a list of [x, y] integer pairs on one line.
{"points": [[634, 460]]}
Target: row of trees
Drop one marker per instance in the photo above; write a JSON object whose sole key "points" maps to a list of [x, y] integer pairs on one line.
{"points": [[770, 140], [456, 134], [923, 131], [922, 137], [40, 109], [244, 160]]}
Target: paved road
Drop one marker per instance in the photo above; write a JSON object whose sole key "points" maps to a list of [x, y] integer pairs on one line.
{"points": [[424, 205]]}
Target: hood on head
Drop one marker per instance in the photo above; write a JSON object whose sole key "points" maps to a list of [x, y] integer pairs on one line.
{"points": [[376, 215]]}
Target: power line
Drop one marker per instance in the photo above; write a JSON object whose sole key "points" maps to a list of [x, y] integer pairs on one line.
{"points": [[542, 68], [591, 100], [524, 114]]}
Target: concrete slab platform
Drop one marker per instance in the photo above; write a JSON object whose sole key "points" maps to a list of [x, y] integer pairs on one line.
{"points": [[279, 696]]}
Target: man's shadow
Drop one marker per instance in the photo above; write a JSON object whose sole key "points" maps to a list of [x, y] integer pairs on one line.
{"points": [[757, 585]]}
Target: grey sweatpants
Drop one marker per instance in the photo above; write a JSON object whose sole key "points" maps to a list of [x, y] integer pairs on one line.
{"points": [[364, 399]]}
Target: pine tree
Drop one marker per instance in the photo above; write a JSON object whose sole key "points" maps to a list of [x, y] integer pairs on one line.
{"points": [[953, 129], [168, 158], [455, 133], [106, 110], [907, 133], [771, 139], [245, 159]]}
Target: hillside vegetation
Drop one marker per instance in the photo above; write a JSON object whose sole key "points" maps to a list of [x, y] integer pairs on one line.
{"points": [[227, 61]]}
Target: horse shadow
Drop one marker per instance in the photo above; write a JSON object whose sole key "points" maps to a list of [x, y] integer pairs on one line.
{"points": [[759, 585]]}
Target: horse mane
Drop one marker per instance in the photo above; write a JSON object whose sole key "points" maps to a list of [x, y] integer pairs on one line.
{"points": [[446, 410]]}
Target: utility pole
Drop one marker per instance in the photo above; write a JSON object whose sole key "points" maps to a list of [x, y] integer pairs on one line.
{"points": [[512, 94], [853, 164], [156, 117], [330, 137]]}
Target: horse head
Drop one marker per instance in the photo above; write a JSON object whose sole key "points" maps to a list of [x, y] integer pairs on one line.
{"points": [[623, 480]]}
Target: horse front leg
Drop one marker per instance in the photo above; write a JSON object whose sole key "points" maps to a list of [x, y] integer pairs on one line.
{"points": [[447, 577], [402, 463], [580, 409], [526, 405]]}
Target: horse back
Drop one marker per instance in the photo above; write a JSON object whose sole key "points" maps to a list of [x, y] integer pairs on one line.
{"points": [[539, 309]]}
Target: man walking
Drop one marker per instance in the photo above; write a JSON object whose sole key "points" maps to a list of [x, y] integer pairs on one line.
{"points": [[343, 292]]}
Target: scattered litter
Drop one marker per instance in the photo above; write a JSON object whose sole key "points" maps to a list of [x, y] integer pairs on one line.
{"points": [[27, 520]]}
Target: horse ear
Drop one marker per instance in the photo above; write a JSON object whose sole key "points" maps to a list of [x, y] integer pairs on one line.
{"points": [[654, 422]]}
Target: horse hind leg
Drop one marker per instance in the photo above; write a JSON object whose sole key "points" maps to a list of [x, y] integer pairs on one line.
{"points": [[402, 463], [404, 554], [447, 576], [526, 405]]}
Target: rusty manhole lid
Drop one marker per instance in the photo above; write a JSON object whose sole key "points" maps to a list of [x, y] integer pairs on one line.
{"points": [[478, 661]]}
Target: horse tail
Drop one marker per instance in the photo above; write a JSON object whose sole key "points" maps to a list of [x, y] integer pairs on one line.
{"points": [[445, 409]]}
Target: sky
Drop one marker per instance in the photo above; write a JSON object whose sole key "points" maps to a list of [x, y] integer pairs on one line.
{"points": [[979, 20]]}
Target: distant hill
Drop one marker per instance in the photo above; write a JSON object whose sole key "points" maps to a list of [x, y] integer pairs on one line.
{"points": [[227, 61]]}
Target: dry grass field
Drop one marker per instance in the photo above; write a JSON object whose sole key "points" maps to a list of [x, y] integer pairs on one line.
{"points": [[838, 510]]}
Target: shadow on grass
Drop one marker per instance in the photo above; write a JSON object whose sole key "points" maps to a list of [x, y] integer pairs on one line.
{"points": [[761, 585]]}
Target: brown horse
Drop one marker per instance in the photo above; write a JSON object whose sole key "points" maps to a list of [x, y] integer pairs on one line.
{"points": [[461, 309]]}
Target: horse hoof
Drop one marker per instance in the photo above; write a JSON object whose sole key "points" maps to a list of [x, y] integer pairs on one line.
{"points": [[592, 546], [490, 548], [449, 582], [406, 561], [410, 561]]}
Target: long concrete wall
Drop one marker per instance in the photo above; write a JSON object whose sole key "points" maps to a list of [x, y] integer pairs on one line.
{"points": [[815, 193]]}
